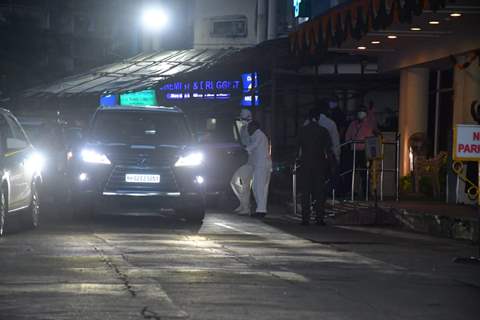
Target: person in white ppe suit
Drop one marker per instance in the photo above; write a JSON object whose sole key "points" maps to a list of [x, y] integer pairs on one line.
{"points": [[259, 157], [241, 181]]}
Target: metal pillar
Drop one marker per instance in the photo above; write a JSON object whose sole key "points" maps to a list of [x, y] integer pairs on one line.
{"points": [[437, 111], [397, 168], [367, 179], [354, 169], [381, 172]]}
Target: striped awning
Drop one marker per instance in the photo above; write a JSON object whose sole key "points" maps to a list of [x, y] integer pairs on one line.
{"points": [[355, 19]]}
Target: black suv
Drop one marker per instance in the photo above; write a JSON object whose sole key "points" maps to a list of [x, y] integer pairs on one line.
{"points": [[137, 158], [20, 173]]}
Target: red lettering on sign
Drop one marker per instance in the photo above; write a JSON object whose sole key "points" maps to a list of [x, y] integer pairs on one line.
{"points": [[468, 148], [476, 136]]}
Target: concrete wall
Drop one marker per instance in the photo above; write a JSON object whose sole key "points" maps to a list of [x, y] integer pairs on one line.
{"points": [[266, 19], [206, 10], [466, 86]]}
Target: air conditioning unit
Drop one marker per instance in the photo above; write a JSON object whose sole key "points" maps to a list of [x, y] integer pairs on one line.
{"points": [[229, 27]]}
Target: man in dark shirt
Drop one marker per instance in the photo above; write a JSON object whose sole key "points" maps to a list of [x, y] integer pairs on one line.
{"points": [[314, 150]]}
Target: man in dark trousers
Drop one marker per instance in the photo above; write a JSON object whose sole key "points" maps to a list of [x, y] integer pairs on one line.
{"points": [[315, 155]]}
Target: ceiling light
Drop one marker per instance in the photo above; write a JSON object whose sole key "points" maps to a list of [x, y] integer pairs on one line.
{"points": [[375, 42], [392, 37], [415, 29], [361, 48], [434, 22], [455, 14]]}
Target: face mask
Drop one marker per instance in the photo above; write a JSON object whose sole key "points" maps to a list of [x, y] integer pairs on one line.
{"points": [[361, 115]]}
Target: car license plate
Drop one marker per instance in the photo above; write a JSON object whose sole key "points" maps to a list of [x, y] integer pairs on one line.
{"points": [[142, 178]]}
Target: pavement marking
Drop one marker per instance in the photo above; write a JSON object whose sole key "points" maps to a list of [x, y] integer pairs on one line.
{"points": [[290, 276], [72, 288], [231, 228], [284, 275]]}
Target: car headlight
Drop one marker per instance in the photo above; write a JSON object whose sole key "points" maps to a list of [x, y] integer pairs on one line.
{"points": [[92, 156], [35, 162], [190, 160]]}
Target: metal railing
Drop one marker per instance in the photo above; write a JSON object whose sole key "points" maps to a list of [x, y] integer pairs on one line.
{"points": [[353, 147], [354, 170]]}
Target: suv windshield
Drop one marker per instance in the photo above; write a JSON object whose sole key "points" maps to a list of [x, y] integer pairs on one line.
{"points": [[141, 128], [216, 130]]}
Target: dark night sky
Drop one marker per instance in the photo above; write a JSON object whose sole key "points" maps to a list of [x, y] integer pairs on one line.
{"points": [[43, 40]]}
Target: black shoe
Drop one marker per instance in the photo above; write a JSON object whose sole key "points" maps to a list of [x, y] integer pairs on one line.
{"points": [[305, 223], [320, 222], [259, 215]]}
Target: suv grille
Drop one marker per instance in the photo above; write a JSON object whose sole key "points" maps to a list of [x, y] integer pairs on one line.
{"points": [[116, 181], [143, 160]]}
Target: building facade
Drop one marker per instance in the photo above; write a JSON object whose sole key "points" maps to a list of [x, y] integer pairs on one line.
{"points": [[434, 48]]}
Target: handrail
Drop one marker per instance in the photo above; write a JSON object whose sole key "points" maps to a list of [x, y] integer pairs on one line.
{"points": [[354, 170], [383, 170]]}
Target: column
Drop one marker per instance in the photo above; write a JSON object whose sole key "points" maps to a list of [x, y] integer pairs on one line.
{"points": [[413, 110], [466, 89], [262, 8], [272, 19]]}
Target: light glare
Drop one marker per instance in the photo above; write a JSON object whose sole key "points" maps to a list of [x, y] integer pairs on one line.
{"points": [[93, 156], [154, 19], [35, 163], [191, 160]]}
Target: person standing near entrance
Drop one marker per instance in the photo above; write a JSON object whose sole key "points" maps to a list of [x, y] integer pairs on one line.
{"points": [[364, 126], [260, 158], [241, 182], [331, 127], [315, 156]]}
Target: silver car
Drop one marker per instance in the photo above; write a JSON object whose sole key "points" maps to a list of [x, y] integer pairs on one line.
{"points": [[20, 171]]}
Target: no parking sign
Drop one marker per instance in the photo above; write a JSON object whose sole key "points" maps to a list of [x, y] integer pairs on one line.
{"points": [[466, 142]]}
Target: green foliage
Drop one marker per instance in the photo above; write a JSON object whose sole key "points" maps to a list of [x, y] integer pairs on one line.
{"points": [[406, 184]]}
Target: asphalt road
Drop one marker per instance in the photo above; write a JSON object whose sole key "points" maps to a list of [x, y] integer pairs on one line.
{"points": [[231, 267]]}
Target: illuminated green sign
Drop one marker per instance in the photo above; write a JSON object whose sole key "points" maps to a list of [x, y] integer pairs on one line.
{"points": [[139, 98]]}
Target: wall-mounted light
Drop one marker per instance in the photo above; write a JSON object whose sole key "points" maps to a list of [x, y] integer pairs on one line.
{"points": [[361, 48], [392, 36], [375, 42], [434, 22], [415, 29], [455, 14]]}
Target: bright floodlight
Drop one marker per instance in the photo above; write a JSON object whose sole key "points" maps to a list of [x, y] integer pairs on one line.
{"points": [[154, 19]]}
